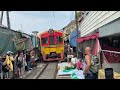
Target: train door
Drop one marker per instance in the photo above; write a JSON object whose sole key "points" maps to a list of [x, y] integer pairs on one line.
{"points": [[51, 40]]}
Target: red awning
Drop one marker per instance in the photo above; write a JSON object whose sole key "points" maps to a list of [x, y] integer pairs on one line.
{"points": [[81, 39]]}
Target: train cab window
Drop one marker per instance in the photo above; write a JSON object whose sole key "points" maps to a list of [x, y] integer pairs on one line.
{"points": [[51, 40], [44, 41], [59, 39]]}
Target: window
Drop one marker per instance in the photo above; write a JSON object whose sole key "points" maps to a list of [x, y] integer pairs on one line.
{"points": [[51, 40], [44, 40], [59, 39]]}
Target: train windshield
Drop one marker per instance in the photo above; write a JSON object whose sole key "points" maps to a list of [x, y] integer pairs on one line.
{"points": [[44, 41], [59, 39], [51, 40]]}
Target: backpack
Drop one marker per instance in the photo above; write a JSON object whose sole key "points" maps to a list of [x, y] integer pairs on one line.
{"points": [[5, 68], [95, 65]]}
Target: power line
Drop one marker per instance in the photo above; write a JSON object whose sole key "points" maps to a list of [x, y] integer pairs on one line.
{"points": [[54, 18], [72, 14]]}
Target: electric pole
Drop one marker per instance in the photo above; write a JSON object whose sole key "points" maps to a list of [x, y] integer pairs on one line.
{"points": [[8, 20], [1, 19], [76, 18]]}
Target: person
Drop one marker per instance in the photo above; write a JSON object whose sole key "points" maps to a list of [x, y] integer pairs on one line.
{"points": [[20, 65], [24, 59], [40, 57], [88, 57], [1, 67], [15, 65], [73, 61], [8, 66], [12, 60], [79, 65], [28, 60], [5, 69], [32, 61], [25, 62], [66, 51]]}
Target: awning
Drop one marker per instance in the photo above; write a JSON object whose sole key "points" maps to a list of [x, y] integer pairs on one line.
{"points": [[94, 36]]}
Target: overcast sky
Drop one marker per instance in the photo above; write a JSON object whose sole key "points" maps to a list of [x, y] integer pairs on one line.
{"points": [[38, 20]]}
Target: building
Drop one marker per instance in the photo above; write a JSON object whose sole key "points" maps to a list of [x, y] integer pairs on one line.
{"points": [[68, 29], [73, 34], [101, 31]]}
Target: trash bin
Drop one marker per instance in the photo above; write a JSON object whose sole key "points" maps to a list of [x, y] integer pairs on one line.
{"points": [[109, 73]]}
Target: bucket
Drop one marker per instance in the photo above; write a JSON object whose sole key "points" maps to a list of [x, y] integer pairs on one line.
{"points": [[109, 73]]}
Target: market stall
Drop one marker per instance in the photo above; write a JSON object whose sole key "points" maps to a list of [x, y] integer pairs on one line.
{"points": [[66, 71]]}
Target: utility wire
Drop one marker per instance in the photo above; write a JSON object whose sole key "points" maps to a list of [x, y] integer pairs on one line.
{"points": [[71, 17], [54, 18]]}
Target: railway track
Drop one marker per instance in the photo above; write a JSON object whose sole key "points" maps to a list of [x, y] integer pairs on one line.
{"points": [[45, 70], [48, 72]]}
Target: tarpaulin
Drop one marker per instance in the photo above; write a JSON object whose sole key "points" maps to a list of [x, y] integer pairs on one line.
{"points": [[6, 41], [73, 42], [81, 39], [11, 40], [73, 37]]}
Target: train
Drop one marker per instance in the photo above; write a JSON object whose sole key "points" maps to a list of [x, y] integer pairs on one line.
{"points": [[52, 45]]}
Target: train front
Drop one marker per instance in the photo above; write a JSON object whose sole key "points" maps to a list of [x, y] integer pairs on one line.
{"points": [[52, 45]]}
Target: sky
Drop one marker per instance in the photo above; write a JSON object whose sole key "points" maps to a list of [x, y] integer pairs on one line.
{"points": [[39, 21]]}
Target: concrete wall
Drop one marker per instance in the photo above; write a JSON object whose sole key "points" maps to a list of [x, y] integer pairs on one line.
{"points": [[115, 66]]}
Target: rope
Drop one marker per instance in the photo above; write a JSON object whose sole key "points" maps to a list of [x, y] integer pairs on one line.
{"points": [[71, 16]]}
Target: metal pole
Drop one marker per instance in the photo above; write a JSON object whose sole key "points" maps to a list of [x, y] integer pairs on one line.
{"points": [[1, 19], [76, 18], [35, 41], [8, 20], [21, 27], [110, 51]]}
